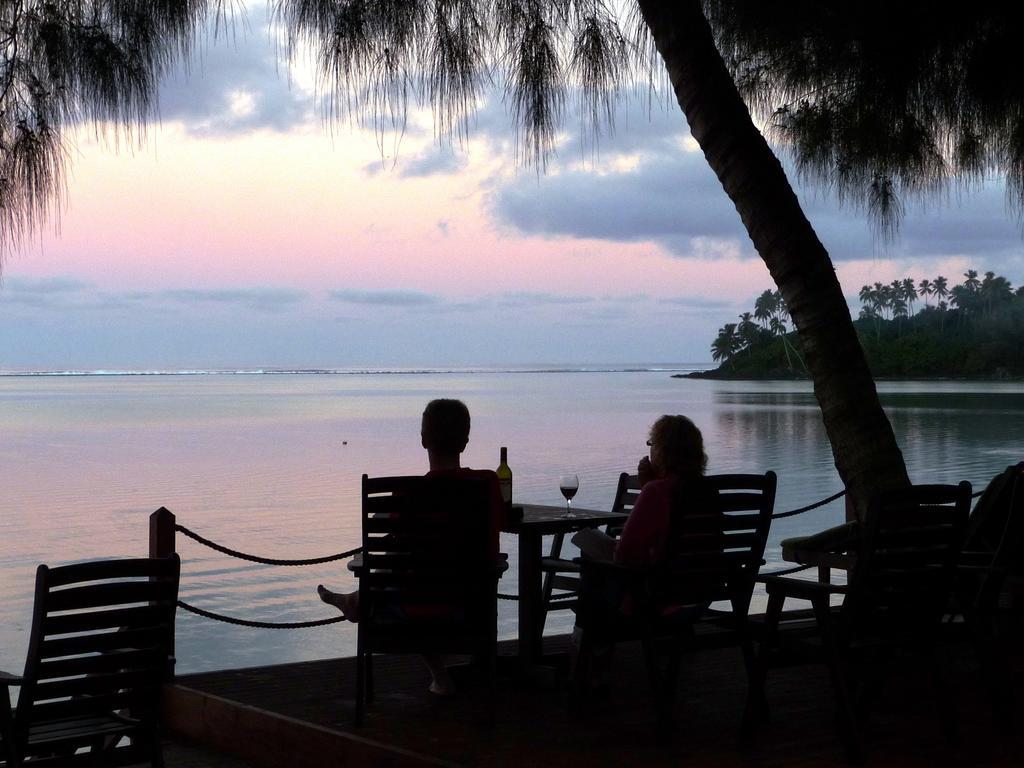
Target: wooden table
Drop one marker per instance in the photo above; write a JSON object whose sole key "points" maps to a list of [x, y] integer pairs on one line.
{"points": [[538, 521]]}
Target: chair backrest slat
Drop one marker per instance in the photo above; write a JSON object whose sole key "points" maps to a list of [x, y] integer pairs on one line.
{"points": [[94, 684], [144, 615], [102, 642], [141, 703], [109, 595], [99, 663]]}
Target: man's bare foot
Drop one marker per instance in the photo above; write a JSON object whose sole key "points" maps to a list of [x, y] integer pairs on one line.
{"points": [[441, 683], [346, 602], [442, 689]]}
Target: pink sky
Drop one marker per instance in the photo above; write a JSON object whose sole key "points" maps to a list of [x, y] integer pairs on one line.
{"points": [[634, 247]]}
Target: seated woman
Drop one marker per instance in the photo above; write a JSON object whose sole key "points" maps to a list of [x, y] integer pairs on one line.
{"points": [[671, 478], [444, 433], [672, 488]]}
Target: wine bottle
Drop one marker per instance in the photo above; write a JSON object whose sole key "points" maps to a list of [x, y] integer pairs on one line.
{"points": [[505, 478]]}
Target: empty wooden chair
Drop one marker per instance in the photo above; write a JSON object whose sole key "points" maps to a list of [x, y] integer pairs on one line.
{"points": [[428, 580], [560, 590], [902, 569], [99, 651], [712, 555], [993, 551]]}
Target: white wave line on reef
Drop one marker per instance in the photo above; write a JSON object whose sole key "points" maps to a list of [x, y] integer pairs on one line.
{"points": [[657, 368]]}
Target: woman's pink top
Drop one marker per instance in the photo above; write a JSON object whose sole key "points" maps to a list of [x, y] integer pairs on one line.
{"points": [[643, 538]]}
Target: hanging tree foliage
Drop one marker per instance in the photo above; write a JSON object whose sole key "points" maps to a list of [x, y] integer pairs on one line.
{"points": [[65, 62]]}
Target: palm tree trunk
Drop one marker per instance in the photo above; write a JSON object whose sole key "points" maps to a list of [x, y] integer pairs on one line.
{"points": [[863, 443]]}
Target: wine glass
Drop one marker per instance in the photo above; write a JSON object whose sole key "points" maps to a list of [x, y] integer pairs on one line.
{"points": [[568, 485]]}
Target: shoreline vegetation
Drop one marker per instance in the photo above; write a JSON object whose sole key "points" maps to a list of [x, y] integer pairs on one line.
{"points": [[970, 331]]}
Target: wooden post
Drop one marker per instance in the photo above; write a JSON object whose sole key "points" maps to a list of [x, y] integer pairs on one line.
{"points": [[161, 533], [161, 544]]}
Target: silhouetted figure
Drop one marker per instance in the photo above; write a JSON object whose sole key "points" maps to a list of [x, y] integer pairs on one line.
{"points": [[671, 479], [444, 433], [672, 470]]}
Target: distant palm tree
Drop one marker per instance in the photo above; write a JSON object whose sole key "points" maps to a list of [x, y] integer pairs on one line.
{"points": [[764, 308], [995, 291], [899, 311], [887, 294], [779, 329], [866, 295], [725, 346], [972, 283], [747, 330], [966, 300], [880, 298], [941, 291], [925, 288], [780, 307], [909, 293]]}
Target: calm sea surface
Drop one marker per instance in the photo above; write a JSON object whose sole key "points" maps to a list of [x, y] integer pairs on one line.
{"points": [[270, 464]]}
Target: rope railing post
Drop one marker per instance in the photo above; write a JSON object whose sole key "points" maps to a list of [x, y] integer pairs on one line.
{"points": [[161, 544], [161, 533]]}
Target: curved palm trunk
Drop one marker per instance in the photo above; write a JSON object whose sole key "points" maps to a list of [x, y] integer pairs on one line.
{"points": [[863, 443]]}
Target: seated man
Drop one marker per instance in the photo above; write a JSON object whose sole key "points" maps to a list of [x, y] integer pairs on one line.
{"points": [[444, 433]]}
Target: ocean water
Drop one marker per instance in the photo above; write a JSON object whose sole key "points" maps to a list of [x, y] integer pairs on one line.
{"points": [[270, 462]]}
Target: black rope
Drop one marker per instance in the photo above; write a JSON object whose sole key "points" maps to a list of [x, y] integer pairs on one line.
{"points": [[507, 597], [833, 497], [265, 560], [809, 507], [258, 624]]}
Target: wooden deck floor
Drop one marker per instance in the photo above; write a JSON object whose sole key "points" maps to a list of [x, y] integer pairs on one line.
{"points": [[535, 728], [185, 754]]}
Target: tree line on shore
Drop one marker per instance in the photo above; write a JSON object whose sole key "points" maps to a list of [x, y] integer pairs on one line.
{"points": [[974, 328]]}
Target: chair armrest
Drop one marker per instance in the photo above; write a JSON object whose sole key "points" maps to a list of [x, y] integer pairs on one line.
{"points": [[781, 572], [7, 679], [801, 589], [801, 549]]}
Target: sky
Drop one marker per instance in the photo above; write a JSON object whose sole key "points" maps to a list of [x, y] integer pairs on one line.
{"points": [[242, 229]]}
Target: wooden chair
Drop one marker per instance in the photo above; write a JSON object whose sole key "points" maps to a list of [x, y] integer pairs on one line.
{"points": [[561, 585], [99, 651], [428, 580], [902, 568], [715, 548], [993, 551]]}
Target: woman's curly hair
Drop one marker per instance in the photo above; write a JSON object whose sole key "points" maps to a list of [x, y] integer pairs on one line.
{"points": [[677, 447]]}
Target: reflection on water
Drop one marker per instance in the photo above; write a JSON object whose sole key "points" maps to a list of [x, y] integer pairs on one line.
{"points": [[271, 465]]}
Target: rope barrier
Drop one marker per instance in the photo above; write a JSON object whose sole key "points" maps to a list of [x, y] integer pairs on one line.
{"points": [[349, 553], [809, 507], [833, 497], [258, 624], [265, 560]]}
